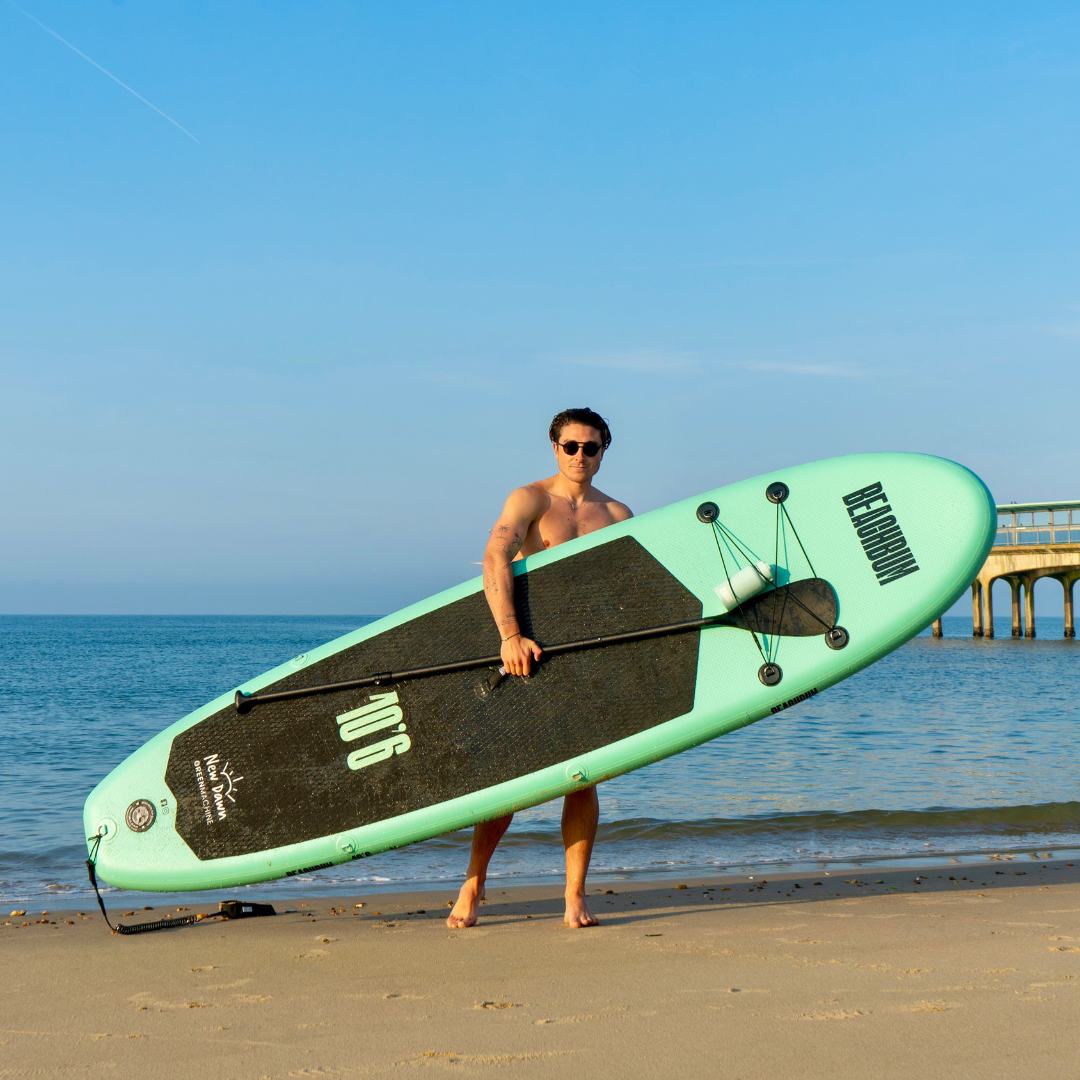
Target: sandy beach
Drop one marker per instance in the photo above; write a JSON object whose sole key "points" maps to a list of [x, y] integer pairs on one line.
{"points": [[971, 971]]}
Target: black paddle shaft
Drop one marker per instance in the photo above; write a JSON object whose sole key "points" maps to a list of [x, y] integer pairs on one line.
{"points": [[801, 609]]}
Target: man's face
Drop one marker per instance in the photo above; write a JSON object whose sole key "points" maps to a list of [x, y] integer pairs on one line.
{"points": [[578, 466]]}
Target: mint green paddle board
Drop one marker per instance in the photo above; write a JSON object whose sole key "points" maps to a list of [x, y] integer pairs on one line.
{"points": [[683, 624]]}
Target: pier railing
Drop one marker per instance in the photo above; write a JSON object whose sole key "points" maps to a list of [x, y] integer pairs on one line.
{"points": [[1038, 524]]}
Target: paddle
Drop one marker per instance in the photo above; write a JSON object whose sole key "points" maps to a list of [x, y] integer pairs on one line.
{"points": [[801, 609]]}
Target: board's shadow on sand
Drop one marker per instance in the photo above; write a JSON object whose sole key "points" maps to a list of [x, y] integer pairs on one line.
{"points": [[632, 904]]}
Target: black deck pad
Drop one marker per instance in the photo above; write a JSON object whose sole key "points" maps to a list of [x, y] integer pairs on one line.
{"points": [[280, 775]]}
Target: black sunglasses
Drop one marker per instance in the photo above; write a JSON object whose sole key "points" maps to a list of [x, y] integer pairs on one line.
{"points": [[570, 448]]}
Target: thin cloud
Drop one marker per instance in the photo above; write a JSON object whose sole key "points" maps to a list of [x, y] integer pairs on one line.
{"points": [[47, 30], [780, 262], [1064, 331], [885, 259], [645, 361], [457, 378], [821, 371]]}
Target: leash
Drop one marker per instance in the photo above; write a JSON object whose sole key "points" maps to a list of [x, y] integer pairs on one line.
{"points": [[227, 909]]}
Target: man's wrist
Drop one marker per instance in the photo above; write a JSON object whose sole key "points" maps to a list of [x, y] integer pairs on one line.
{"points": [[516, 633]]}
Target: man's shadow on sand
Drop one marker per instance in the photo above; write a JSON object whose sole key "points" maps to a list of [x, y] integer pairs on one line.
{"points": [[613, 907]]}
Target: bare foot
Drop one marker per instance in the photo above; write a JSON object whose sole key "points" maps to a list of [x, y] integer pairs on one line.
{"points": [[578, 913], [464, 911]]}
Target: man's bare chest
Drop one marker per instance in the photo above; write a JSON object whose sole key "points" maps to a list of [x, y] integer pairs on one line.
{"points": [[561, 523]]}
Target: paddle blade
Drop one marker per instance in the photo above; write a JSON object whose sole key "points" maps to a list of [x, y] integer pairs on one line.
{"points": [[800, 609]]}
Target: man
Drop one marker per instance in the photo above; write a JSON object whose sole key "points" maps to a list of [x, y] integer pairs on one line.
{"points": [[535, 517]]}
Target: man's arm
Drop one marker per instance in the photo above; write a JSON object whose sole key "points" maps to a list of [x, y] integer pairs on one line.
{"points": [[523, 507]]}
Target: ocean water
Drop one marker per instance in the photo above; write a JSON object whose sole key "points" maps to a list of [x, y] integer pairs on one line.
{"points": [[956, 748]]}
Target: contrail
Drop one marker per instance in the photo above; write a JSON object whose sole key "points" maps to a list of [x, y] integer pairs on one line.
{"points": [[101, 69]]}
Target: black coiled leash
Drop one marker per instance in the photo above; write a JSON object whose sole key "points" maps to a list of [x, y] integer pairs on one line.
{"points": [[227, 909]]}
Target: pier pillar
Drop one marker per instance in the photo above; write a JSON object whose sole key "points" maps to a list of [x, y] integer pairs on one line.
{"points": [[976, 609], [938, 632], [1029, 606], [1067, 585], [988, 609], [1014, 584]]}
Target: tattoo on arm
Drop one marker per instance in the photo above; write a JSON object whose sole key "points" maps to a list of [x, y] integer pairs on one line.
{"points": [[505, 543]]}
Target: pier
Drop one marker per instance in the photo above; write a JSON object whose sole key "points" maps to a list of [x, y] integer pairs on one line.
{"points": [[1034, 540]]}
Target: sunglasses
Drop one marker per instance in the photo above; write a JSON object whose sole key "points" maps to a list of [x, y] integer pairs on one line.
{"points": [[570, 448]]}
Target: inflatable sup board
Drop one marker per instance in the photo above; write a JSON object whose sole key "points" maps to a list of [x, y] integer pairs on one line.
{"points": [[660, 633]]}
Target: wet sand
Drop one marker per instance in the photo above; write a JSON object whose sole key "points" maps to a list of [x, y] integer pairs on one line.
{"points": [[862, 975]]}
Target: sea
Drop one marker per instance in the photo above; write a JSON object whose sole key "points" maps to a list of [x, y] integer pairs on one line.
{"points": [[951, 749]]}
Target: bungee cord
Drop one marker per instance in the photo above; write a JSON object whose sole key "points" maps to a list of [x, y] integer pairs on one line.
{"points": [[717, 527], [836, 637]]}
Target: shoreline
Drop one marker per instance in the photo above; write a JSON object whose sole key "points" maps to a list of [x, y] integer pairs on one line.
{"points": [[940, 876], [283, 890], [865, 973]]}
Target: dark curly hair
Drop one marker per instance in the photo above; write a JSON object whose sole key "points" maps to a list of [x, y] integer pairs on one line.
{"points": [[580, 416]]}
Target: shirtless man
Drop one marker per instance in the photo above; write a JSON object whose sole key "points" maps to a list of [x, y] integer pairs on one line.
{"points": [[538, 516]]}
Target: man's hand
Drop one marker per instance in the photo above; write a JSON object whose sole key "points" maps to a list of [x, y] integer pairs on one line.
{"points": [[518, 654]]}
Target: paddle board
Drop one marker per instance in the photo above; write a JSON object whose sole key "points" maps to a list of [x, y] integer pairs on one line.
{"points": [[752, 598]]}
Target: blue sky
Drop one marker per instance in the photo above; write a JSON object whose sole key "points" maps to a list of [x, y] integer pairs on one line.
{"points": [[295, 366]]}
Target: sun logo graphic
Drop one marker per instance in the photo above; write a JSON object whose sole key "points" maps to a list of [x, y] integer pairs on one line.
{"points": [[222, 783]]}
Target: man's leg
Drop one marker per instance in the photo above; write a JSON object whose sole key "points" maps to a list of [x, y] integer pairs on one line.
{"points": [[581, 813], [485, 839]]}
